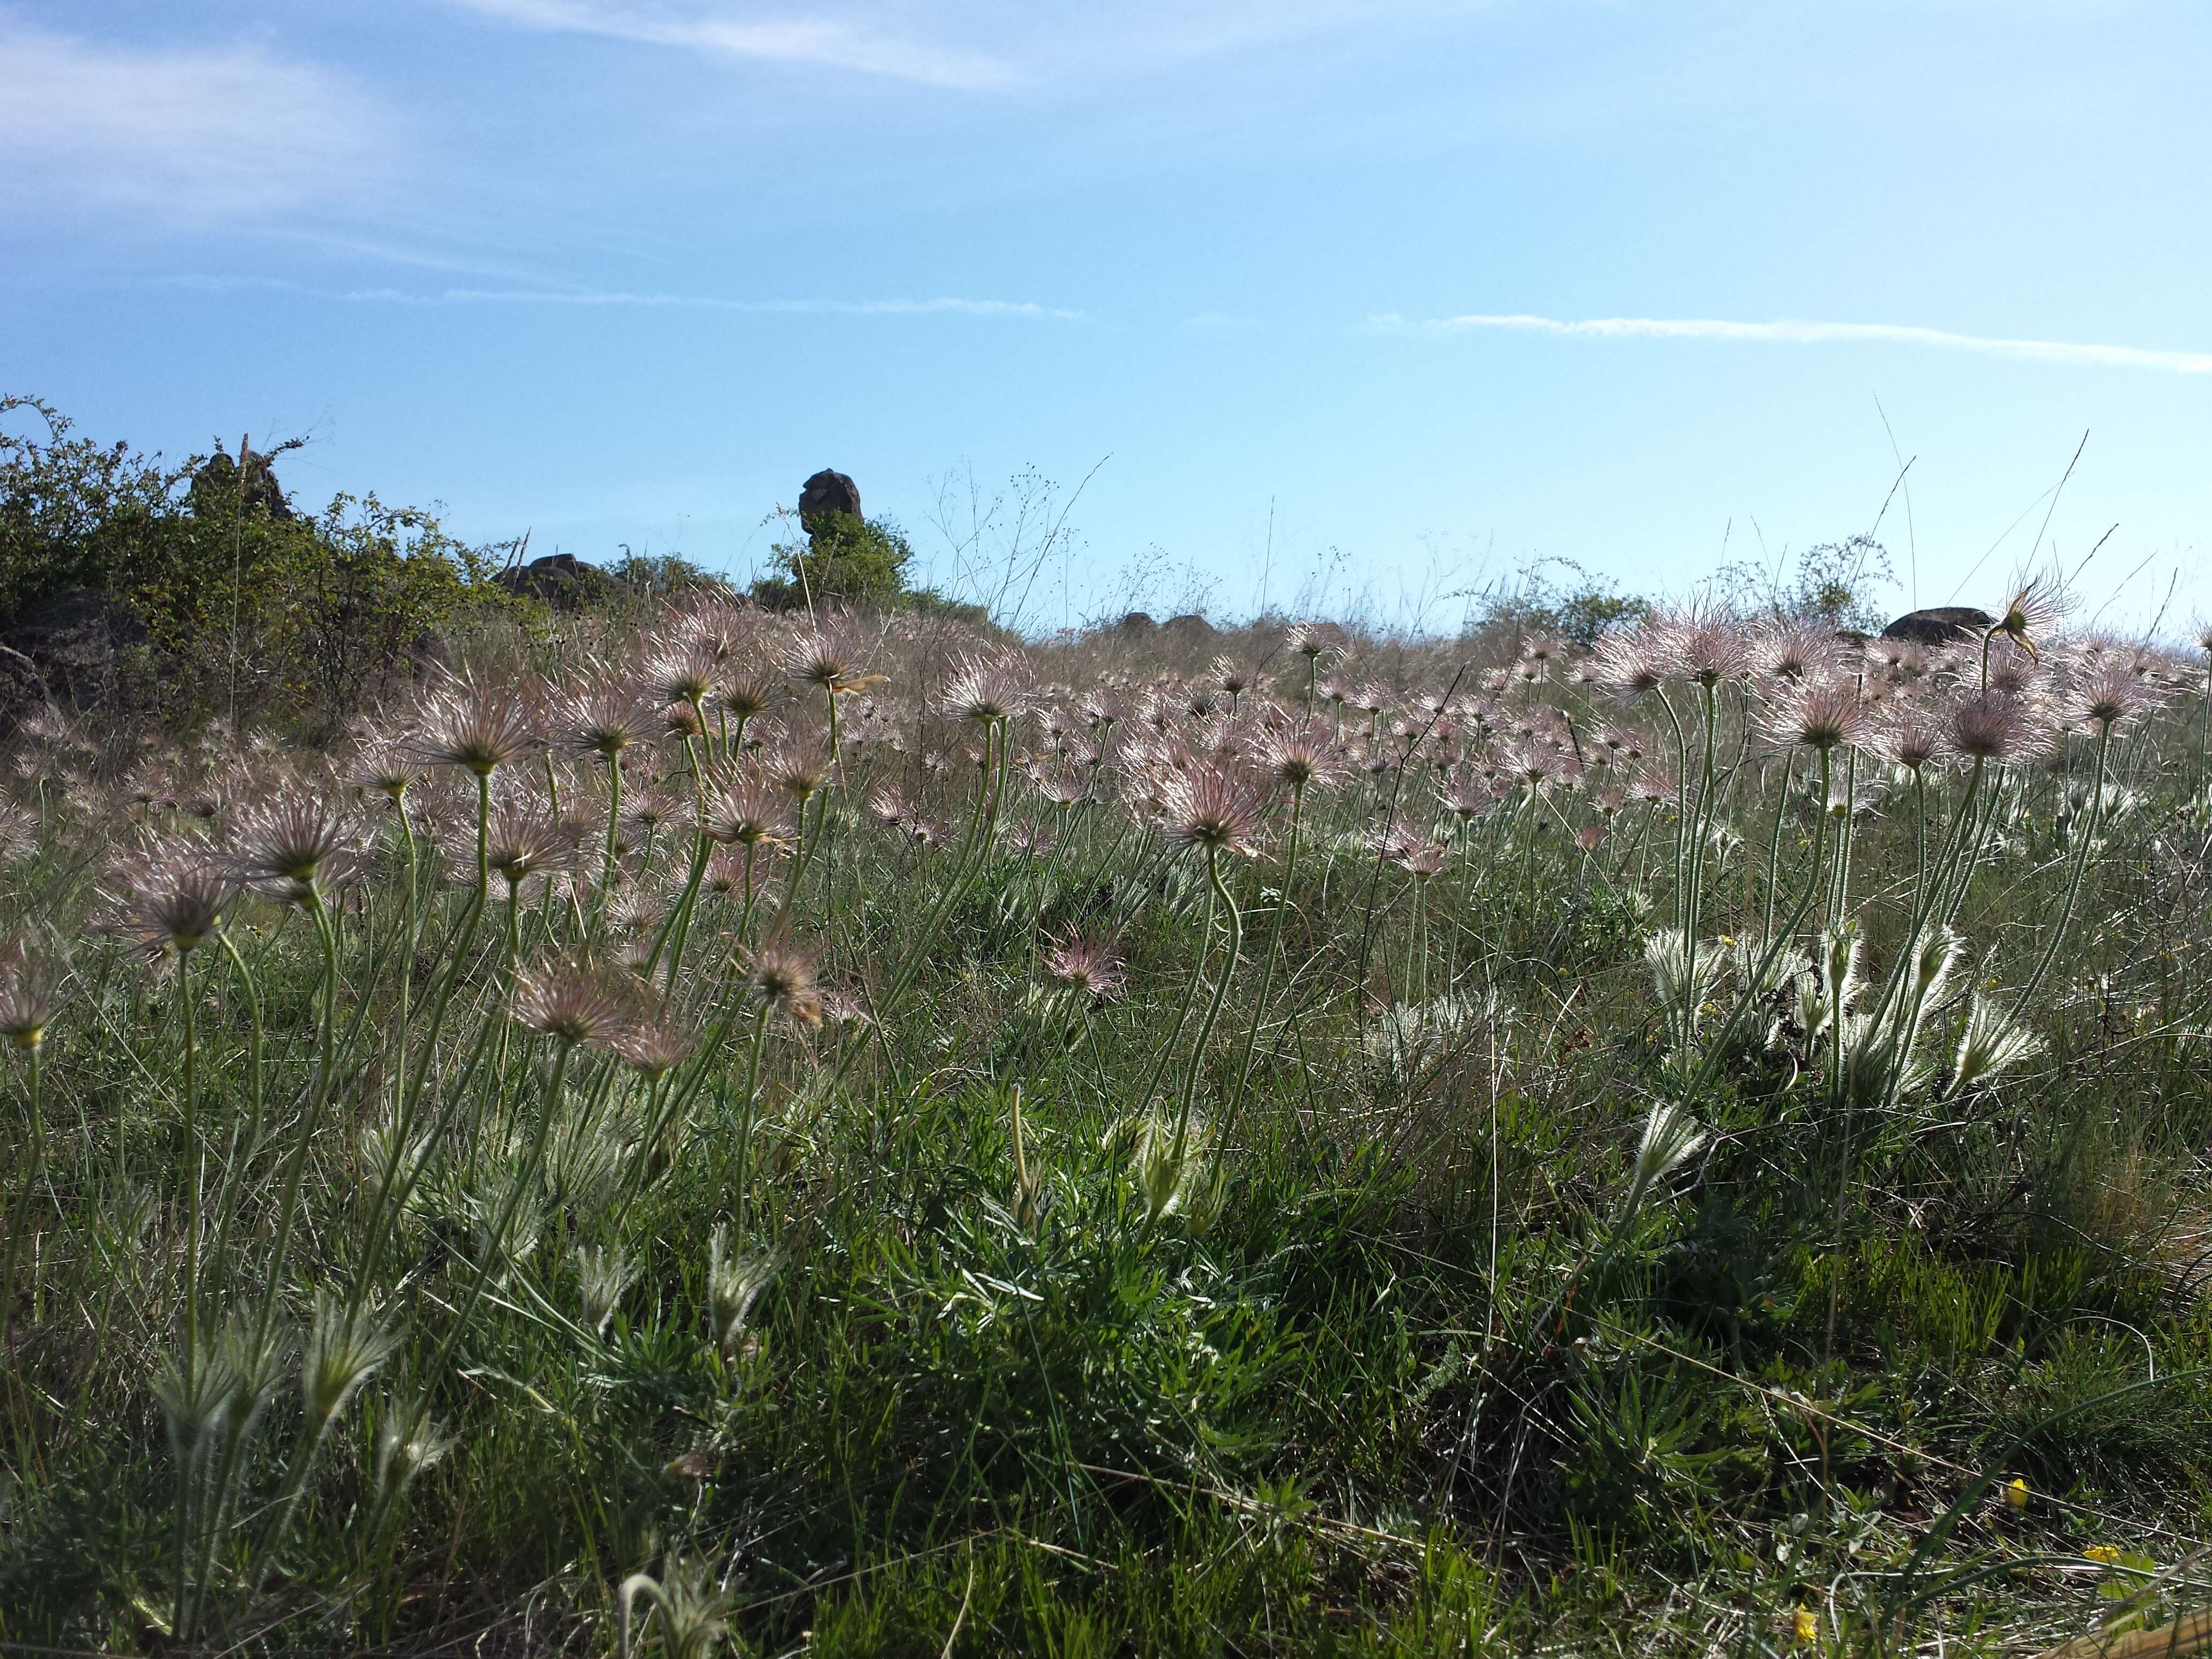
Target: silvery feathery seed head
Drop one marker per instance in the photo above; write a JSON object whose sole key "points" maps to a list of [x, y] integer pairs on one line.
{"points": [[1211, 807], [31, 977], [684, 671], [830, 659], [604, 718], [691, 1608], [655, 1046], [178, 898], [1304, 756], [573, 1005], [1313, 640], [386, 771], [2014, 670], [1541, 648], [1993, 727], [746, 814], [1631, 662], [476, 727], [780, 976], [294, 846], [344, 1345], [2112, 694], [255, 1359], [195, 1399], [1466, 799], [889, 807], [985, 689], [798, 769], [18, 832], [1089, 967], [1793, 649], [604, 1272], [523, 839], [1424, 859], [1706, 644], [1671, 1138], [746, 689], [1992, 1041], [648, 809], [2037, 604], [1818, 714], [734, 1282], [1910, 735], [407, 1443]]}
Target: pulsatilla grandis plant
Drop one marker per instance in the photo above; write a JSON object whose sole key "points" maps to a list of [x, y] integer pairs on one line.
{"points": [[582, 1028]]}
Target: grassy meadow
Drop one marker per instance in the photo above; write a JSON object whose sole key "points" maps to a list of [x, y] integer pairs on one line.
{"points": [[719, 1132]]}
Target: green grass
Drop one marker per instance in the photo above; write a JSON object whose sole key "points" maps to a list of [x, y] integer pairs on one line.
{"points": [[1538, 1290]]}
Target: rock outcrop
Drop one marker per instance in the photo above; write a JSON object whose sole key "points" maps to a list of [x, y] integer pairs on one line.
{"points": [[1940, 625], [562, 580], [825, 496]]}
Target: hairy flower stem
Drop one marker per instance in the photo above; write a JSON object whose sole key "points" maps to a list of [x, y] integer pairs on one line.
{"points": [[287, 1204], [614, 818], [411, 937], [750, 1111], [1682, 811], [974, 857], [248, 1144], [194, 1172], [2088, 827], [19, 1219], [1227, 901], [524, 1176], [1274, 952], [194, 1169], [1774, 844]]}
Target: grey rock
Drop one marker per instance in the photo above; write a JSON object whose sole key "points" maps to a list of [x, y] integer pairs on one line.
{"points": [[562, 580], [215, 486], [824, 496], [1940, 625], [1138, 622]]}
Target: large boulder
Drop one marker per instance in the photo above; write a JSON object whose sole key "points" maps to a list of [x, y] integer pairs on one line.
{"points": [[1940, 625], [215, 488], [826, 496], [563, 581]]}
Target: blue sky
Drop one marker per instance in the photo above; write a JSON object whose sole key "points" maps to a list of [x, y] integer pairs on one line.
{"points": [[1381, 299]]}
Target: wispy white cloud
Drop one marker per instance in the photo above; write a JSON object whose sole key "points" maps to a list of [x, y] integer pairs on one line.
{"points": [[941, 306], [838, 43], [975, 45], [186, 134], [709, 303], [1805, 333]]}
